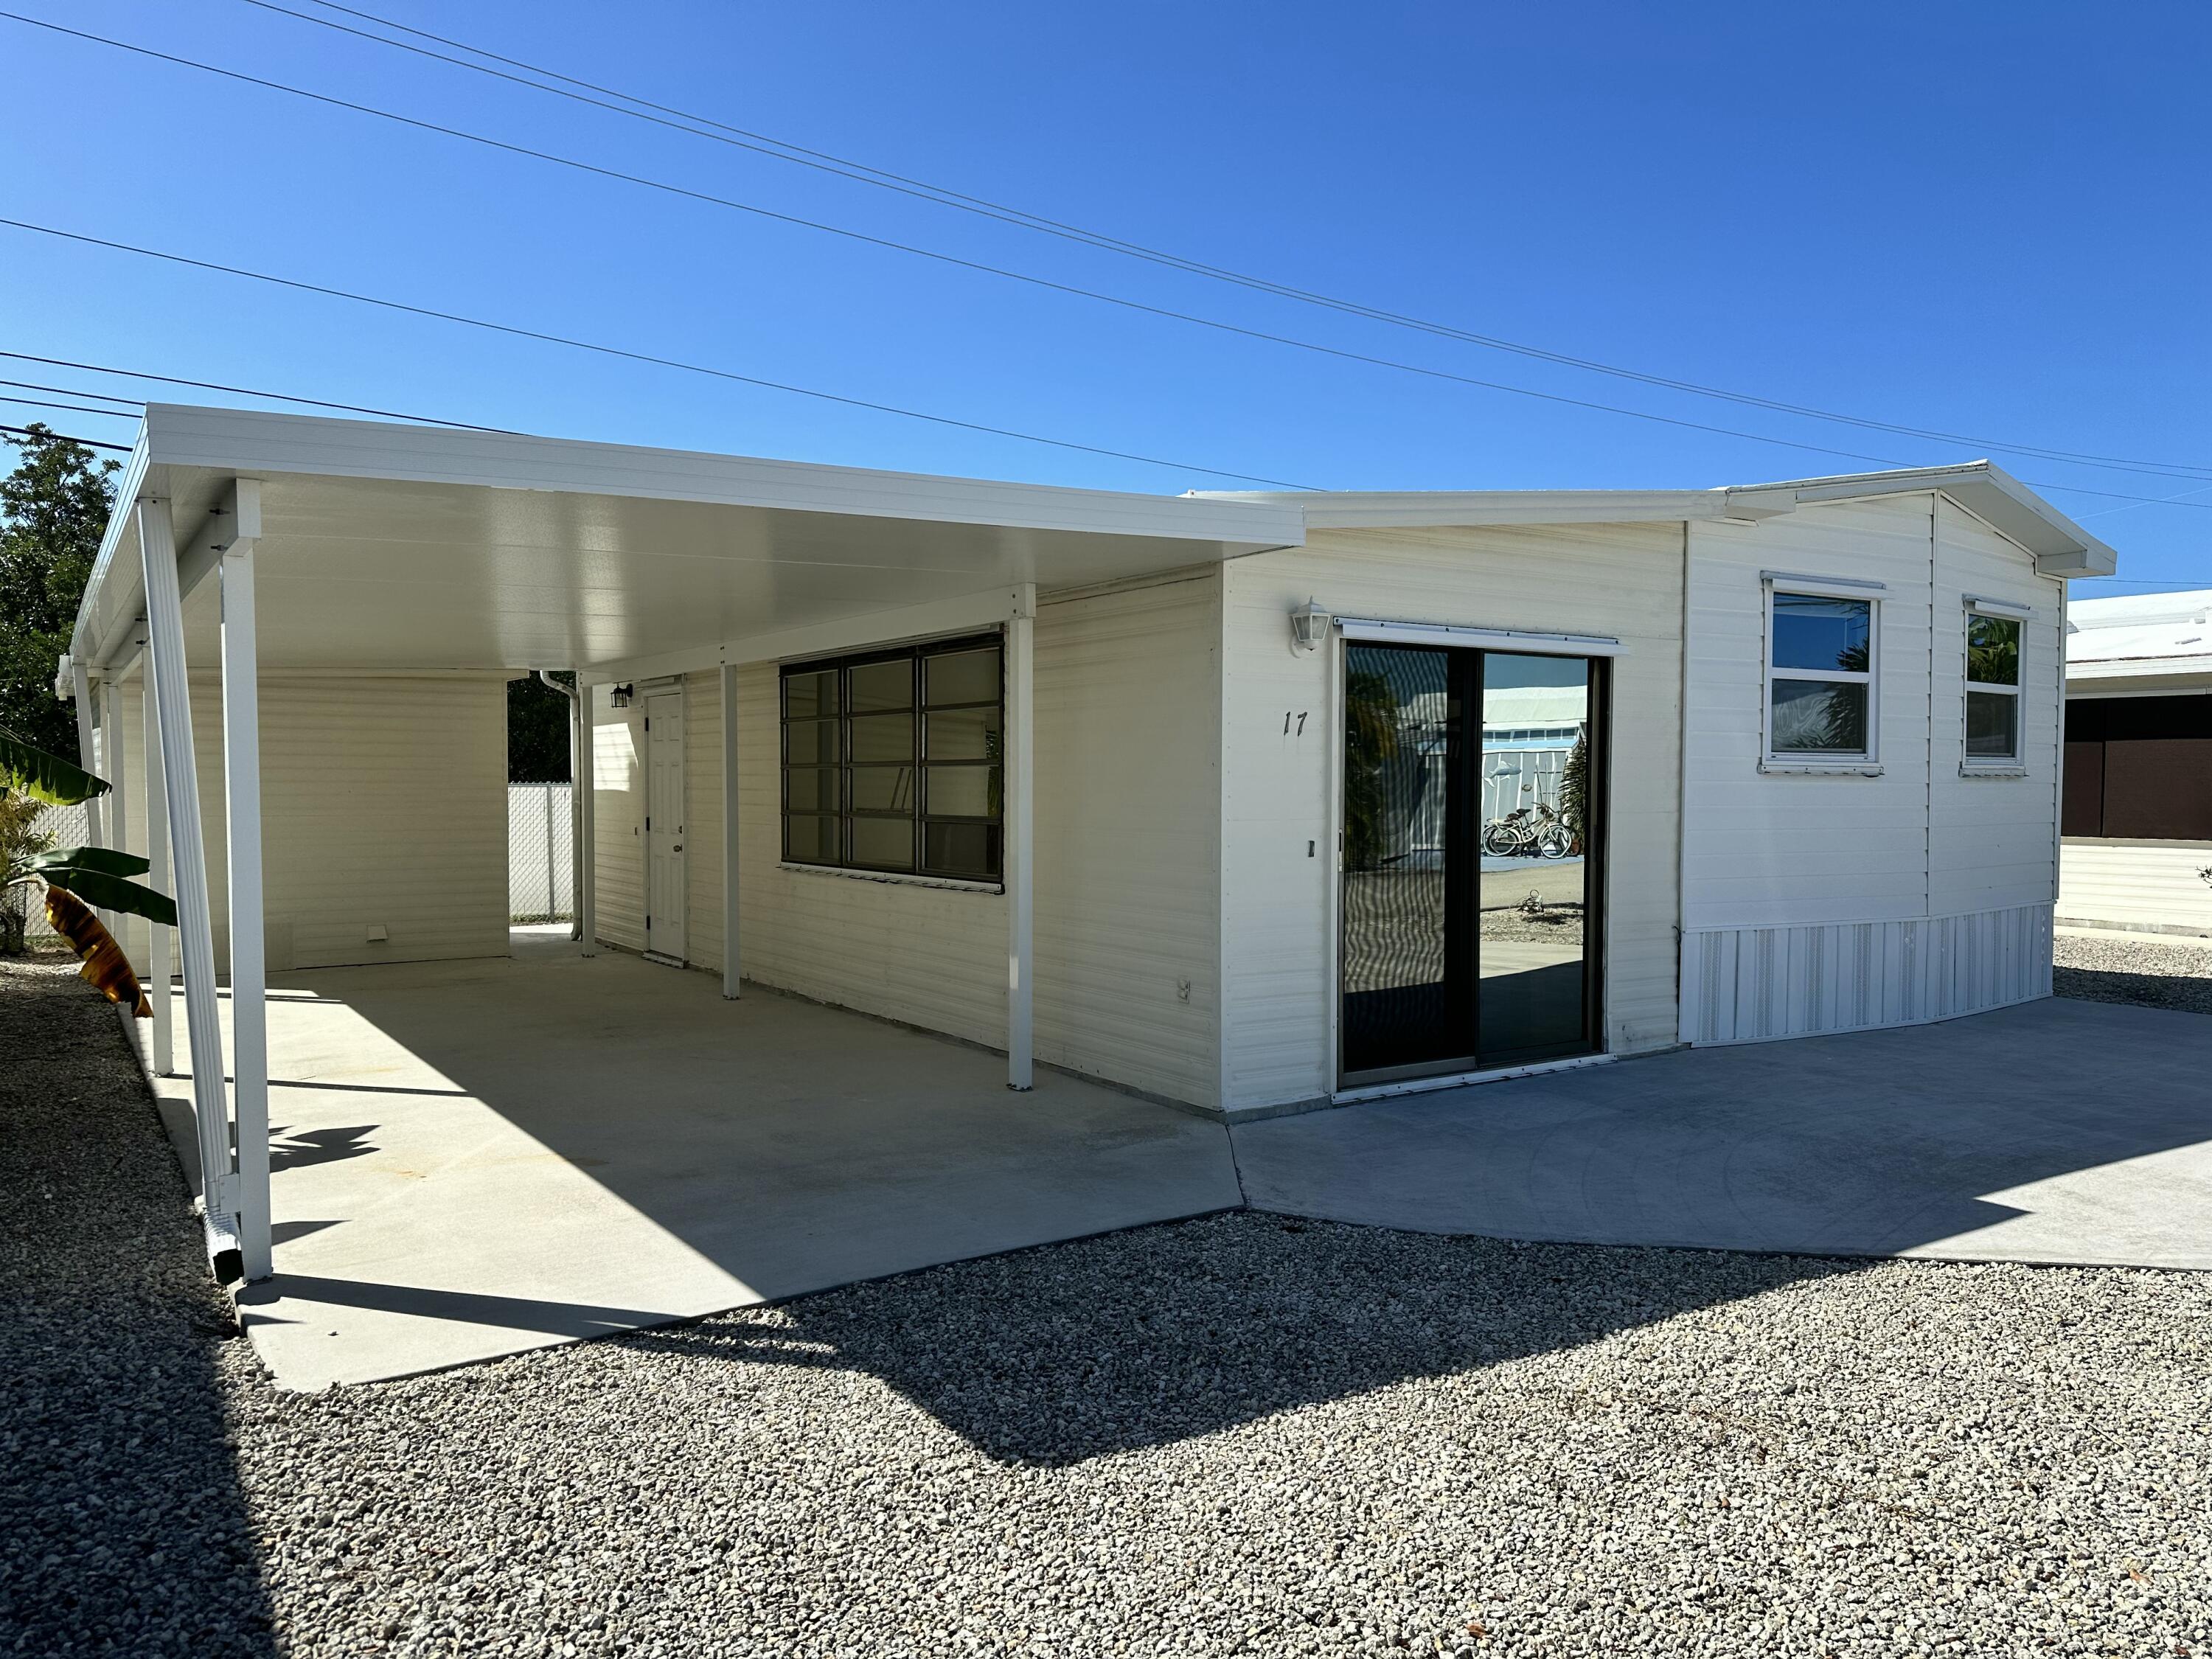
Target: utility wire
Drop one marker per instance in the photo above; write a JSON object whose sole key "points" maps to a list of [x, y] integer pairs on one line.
{"points": [[89, 443], [702, 126], [955, 260], [242, 391], [569, 341], [68, 390], [74, 409]]}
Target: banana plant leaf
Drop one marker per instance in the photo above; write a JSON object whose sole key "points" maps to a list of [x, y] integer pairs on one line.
{"points": [[110, 892], [34, 772], [108, 861], [106, 968]]}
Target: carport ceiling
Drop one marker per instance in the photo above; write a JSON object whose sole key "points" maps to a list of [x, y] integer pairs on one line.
{"points": [[389, 547]]}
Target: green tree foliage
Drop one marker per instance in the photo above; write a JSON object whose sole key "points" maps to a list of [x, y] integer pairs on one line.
{"points": [[1575, 791], [537, 731], [1371, 743], [53, 511]]}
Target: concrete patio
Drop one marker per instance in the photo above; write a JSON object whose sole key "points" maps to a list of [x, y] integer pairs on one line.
{"points": [[474, 1158], [2058, 1131]]}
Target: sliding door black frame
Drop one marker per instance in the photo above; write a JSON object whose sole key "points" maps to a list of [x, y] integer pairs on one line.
{"points": [[1464, 876]]}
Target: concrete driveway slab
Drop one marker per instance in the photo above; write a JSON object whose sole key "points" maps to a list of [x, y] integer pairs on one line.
{"points": [[473, 1158], [2055, 1132]]}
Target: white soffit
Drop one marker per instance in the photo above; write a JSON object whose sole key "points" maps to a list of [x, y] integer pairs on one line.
{"points": [[386, 546]]}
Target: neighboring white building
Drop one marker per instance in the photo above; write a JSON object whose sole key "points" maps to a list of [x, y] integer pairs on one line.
{"points": [[2138, 812], [1183, 794]]}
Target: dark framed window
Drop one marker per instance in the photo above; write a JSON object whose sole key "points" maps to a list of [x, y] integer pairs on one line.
{"points": [[892, 761]]}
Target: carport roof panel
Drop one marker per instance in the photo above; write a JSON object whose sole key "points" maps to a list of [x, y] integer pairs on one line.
{"points": [[396, 546]]}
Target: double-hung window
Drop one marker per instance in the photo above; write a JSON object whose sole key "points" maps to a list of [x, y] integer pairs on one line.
{"points": [[892, 761], [1992, 687], [1820, 699]]}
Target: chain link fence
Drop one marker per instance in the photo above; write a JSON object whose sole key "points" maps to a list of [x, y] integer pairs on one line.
{"points": [[541, 870], [65, 825]]}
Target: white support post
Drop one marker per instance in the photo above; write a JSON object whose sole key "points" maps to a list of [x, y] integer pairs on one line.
{"points": [[249, 984], [159, 938], [1019, 788], [587, 880], [580, 712], [731, 966], [165, 649], [118, 785], [87, 753]]}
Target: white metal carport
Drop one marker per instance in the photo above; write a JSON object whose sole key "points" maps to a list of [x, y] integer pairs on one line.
{"points": [[373, 547]]}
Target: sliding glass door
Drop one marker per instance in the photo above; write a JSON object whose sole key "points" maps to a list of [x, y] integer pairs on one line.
{"points": [[1471, 827]]}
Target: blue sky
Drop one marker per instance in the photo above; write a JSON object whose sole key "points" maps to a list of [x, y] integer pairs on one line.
{"points": [[1977, 218]]}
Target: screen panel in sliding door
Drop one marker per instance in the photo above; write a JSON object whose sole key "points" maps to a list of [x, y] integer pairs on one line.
{"points": [[1407, 956]]}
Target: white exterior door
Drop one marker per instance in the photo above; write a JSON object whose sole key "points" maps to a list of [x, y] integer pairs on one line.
{"points": [[664, 824]]}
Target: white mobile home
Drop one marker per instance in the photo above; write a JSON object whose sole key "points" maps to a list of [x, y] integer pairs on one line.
{"points": [[2138, 821], [1246, 803]]}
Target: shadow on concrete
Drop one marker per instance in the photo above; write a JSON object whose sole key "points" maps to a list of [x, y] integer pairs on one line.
{"points": [[291, 1149], [569, 1319], [122, 1526], [2058, 1131], [2184, 994]]}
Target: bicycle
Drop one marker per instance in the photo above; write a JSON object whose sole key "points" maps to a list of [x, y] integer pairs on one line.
{"points": [[1527, 832]]}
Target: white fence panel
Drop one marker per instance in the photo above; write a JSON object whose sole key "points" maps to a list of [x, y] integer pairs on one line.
{"points": [[541, 870]]}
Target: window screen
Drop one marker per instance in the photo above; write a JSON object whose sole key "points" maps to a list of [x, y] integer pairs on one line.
{"points": [[892, 761]]}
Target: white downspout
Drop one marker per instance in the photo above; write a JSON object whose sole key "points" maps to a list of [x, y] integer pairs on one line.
{"points": [[1020, 787], [732, 964], [249, 969]]}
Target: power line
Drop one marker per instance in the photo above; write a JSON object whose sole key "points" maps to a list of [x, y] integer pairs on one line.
{"points": [[799, 154], [242, 391], [955, 260], [66, 391], [521, 333], [89, 443], [74, 409]]}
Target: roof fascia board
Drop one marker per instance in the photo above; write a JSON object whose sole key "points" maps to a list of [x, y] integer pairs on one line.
{"points": [[2121, 668], [933, 619], [251, 441], [1458, 509], [109, 565]]}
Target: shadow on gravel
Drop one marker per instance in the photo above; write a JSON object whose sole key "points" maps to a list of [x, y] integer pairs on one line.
{"points": [[1056, 1355], [123, 1529], [2189, 994]]}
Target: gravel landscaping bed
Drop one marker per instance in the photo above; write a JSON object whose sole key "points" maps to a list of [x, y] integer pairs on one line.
{"points": [[2145, 970], [1242, 1435]]}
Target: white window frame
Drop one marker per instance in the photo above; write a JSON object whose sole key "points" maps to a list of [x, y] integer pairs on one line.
{"points": [[2014, 765], [1824, 587]]}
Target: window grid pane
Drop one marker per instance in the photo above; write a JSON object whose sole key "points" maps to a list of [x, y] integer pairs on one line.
{"points": [[855, 791]]}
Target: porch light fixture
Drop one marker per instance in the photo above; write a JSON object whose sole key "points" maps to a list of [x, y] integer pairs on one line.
{"points": [[623, 695], [1310, 625]]}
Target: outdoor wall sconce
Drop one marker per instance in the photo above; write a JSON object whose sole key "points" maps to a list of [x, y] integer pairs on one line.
{"points": [[1310, 625], [624, 695]]}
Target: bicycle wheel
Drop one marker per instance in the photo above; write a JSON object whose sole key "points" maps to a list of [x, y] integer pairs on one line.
{"points": [[1500, 840], [1553, 842]]}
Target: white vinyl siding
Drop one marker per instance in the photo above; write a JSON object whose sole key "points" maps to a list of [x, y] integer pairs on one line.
{"points": [[383, 804], [618, 819], [1770, 848], [926, 956], [1834, 902], [703, 819], [2152, 886], [1277, 901], [1992, 841], [1127, 835]]}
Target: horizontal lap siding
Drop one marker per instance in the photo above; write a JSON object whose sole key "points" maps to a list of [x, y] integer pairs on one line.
{"points": [[1825, 903], [1622, 581], [1769, 849], [703, 819], [1993, 842], [2146, 884], [383, 804], [1127, 794], [617, 820], [928, 956]]}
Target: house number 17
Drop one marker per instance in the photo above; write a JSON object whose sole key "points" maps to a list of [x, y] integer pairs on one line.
{"points": [[1287, 718]]}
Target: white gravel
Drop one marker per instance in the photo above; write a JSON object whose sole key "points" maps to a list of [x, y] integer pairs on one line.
{"points": [[1242, 1435], [2142, 969]]}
